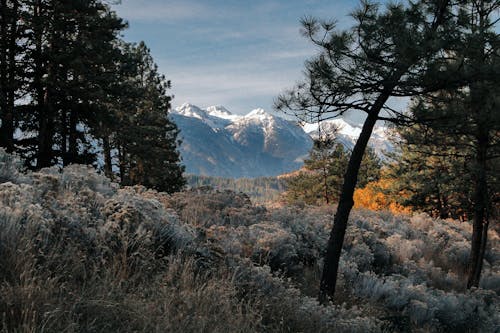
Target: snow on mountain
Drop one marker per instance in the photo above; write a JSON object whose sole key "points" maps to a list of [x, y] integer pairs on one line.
{"points": [[216, 142], [347, 133], [215, 118]]}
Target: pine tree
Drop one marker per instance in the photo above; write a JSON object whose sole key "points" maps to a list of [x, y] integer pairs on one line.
{"points": [[143, 135], [386, 54], [467, 118], [75, 90]]}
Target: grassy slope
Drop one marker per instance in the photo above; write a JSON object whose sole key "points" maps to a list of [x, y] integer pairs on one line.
{"points": [[78, 254]]}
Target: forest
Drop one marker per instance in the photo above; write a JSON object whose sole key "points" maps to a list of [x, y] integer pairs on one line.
{"points": [[101, 230]]}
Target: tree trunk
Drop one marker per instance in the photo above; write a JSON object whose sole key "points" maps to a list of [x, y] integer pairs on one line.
{"points": [[480, 220], [43, 156], [73, 144], [108, 166], [64, 138], [334, 247], [3, 61], [45, 94], [325, 184]]}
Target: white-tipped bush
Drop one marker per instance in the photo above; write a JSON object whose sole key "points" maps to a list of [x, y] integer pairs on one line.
{"points": [[10, 168]]}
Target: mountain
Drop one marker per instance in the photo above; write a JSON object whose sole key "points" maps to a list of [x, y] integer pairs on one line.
{"points": [[216, 142]]}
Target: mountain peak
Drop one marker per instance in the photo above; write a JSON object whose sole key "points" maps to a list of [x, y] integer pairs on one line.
{"points": [[260, 114], [190, 110], [217, 110]]}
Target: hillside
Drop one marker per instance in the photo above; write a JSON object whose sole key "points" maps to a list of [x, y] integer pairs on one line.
{"points": [[78, 253]]}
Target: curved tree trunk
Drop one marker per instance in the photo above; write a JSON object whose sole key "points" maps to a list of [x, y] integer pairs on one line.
{"points": [[346, 201]]}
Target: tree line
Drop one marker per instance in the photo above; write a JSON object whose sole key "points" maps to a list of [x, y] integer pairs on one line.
{"points": [[441, 54], [72, 91]]}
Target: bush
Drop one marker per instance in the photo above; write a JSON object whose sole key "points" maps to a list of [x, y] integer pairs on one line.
{"points": [[77, 253]]}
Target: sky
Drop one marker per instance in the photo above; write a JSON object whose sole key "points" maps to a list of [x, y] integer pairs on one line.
{"points": [[236, 53]]}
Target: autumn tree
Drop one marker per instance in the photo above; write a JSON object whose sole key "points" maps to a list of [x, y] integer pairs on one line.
{"points": [[385, 54], [433, 173]]}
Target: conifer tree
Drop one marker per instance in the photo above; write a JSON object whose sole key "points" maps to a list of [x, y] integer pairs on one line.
{"points": [[320, 181], [73, 89], [145, 138], [386, 54], [467, 117]]}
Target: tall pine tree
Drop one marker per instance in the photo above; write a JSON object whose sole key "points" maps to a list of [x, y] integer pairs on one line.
{"points": [[384, 55]]}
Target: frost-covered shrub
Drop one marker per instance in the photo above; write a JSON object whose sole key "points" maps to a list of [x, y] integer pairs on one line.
{"points": [[10, 168], [285, 309], [77, 252], [79, 177], [205, 207], [141, 227]]}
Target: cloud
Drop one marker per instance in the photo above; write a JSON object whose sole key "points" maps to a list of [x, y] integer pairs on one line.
{"points": [[291, 54], [240, 54], [239, 87], [165, 11]]}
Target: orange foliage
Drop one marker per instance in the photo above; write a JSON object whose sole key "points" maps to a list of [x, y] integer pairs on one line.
{"points": [[372, 197]]}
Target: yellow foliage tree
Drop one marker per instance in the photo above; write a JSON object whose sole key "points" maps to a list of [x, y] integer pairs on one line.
{"points": [[376, 196]]}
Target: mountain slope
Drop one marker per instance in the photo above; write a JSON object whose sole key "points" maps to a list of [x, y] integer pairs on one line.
{"points": [[217, 143]]}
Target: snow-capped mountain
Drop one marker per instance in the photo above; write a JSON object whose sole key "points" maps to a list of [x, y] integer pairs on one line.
{"points": [[216, 142]]}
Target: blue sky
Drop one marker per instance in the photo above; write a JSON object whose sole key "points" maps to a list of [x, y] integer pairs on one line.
{"points": [[240, 54]]}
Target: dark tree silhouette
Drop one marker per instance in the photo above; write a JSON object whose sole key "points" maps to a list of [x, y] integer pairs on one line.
{"points": [[386, 54]]}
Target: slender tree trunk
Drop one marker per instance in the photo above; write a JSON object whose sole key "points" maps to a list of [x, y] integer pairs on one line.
{"points": [[45, 90], [334, 247], [44, 149], [64, 138], [108, 166], [481, 195], [480, 220], [73, 144], [46, 130]]}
